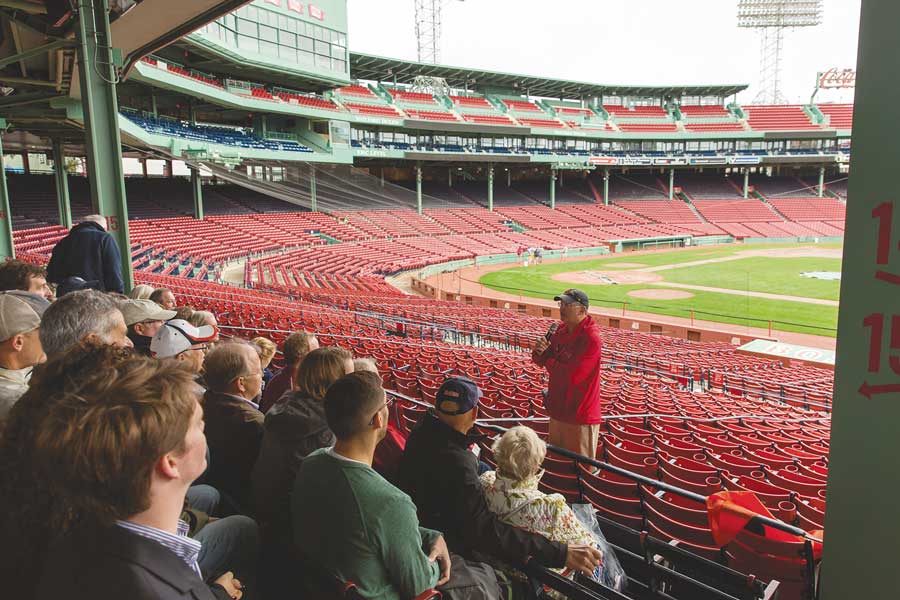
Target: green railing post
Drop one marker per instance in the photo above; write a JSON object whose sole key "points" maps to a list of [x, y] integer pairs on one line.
{"points": [[62, 185], [6, 236]]}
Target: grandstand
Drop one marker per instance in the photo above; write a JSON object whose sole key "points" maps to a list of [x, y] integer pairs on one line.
{"points": [[327, 184]]}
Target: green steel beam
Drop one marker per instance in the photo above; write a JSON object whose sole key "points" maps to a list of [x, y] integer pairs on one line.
{"points": [[821, 181], [314, 203], [553, 189], [746, 182], [491, 188], [36, 51], [6, 236], [671, 184], [62, 185], [98, 79], [419, 188], [606, 187], [197, 187]]}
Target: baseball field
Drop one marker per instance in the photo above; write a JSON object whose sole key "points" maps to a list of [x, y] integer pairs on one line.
{"points": [[795, 287]]}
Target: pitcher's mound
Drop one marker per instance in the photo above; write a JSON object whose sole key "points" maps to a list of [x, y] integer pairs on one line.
{"points": [[608, 277], [660, 294]]}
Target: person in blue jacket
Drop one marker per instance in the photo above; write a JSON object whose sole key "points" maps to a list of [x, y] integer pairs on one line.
{"points": [[88, 252]]}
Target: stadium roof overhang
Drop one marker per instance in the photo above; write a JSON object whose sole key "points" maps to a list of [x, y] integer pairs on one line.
{"points": [[379, 68]]}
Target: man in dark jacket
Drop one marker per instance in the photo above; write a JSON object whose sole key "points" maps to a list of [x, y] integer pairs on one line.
{"points": [[439, 470], [89, 252], [234, 425]]}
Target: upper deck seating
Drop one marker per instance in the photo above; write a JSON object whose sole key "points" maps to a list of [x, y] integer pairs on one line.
{"points": [[778, 117]]}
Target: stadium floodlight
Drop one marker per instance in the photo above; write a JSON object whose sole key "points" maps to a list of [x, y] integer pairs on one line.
{"points": [[428, 30], [771, 18]]}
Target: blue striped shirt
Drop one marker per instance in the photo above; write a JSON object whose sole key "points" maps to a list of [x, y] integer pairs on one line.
{"points": [[185, 548]]}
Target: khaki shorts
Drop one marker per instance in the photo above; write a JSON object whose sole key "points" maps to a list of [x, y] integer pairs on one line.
{"points": [[576, 438]]}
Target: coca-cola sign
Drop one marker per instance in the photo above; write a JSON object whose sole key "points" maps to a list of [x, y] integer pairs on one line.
{"points": [[835, 78]]}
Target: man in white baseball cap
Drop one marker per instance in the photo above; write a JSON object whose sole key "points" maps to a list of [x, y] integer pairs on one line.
{"points": [[143, 318], [180, 340], [20, 344]]}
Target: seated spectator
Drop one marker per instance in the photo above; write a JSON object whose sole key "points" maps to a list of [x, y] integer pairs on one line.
{"points": [[512, 491], [20, 343], [294, 428], [164, 297], [201, 318], [296, 347], [141, 292], [94, 510], [348, 520], [365, 364], [266, 349], [185, 313], [143, 319], [26, 277], [182, 341], [86, 315], [234, 425], [439, 471]]}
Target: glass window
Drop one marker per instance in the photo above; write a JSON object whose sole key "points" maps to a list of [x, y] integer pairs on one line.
{"points": [[245, 42], [252, 12], [304, 43], [320, 33], [337, 52], [287, 39], [342, 40], [246, 27], [284, 23], [270, 34], [305, 58], [287, 53], [322, 48], [269, 48], [323, 62]]}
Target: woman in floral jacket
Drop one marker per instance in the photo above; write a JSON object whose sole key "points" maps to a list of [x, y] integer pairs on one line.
{"points": [[512, 492]]}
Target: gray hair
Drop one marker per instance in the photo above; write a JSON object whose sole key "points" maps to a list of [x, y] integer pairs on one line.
{"points": [[98, 219], [199, 318], [225, 363], [519, 453], [365, 364], [141, 292], [75, 316]]}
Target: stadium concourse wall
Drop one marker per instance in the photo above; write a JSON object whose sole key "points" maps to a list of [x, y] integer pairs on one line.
{"points": [[419, 282]]}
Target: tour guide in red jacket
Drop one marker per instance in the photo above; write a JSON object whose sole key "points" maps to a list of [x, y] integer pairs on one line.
{"points": [[572, 359]]}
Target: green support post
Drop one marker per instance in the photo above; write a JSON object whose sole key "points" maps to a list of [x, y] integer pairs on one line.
{"points": [[491, 188], [746, 183], [671, 184], [553, 189], [197, 187], [98, 77], [62, 185], [419, 188], [863, 486], [314, 202], [821, 181], [450, 177], [7, 250], [606, 187]]}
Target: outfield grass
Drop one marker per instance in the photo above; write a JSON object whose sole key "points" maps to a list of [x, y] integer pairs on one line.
{"points": [[709, 306]]}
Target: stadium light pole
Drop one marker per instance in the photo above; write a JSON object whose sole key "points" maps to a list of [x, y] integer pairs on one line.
{"points": [[771, 18], [429, 26]]}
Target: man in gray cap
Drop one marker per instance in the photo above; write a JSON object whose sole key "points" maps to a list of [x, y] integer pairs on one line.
{"points": [[143, 318], [20, 345], [571, 353]]}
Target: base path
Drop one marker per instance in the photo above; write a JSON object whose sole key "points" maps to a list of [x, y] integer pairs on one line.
{"points": [[465, 281]]}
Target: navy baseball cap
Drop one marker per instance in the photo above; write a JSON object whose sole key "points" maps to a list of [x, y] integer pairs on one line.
{"points": [[572, 295], [460, 390]]}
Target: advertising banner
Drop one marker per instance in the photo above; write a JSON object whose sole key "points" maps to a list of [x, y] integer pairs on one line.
{"points": [[707, 160], [744, 160], [603, 160], [635, 161], [678, 160]]}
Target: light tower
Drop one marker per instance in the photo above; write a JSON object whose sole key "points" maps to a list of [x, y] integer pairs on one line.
{"points": [[428, 30], [772, 18]]}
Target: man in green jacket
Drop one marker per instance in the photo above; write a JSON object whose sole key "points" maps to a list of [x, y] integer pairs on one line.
{"points": [[350, 521]]}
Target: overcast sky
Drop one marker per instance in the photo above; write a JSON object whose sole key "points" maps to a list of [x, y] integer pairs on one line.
{"points": [[648, 42]]}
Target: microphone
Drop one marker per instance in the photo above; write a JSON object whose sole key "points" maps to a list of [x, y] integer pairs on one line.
{"points": [[551, 331]]}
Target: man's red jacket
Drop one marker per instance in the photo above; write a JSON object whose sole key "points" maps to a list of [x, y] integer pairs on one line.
{"points": [[573, 362]]}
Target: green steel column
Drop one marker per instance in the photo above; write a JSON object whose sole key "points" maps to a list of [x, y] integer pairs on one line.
{"points": [[6, 236], [314, 202], [62, 185], [98, 79], [491, 188], [671, 184], [606, 187], [419, 188], [553, 189], [450, 177], [863, 486], [197, 187], [821, 181], [746, 183], [508, 178]]}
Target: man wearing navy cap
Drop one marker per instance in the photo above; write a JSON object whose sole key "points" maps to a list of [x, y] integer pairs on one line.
{"points": [[571, 354], [439, 471]]}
